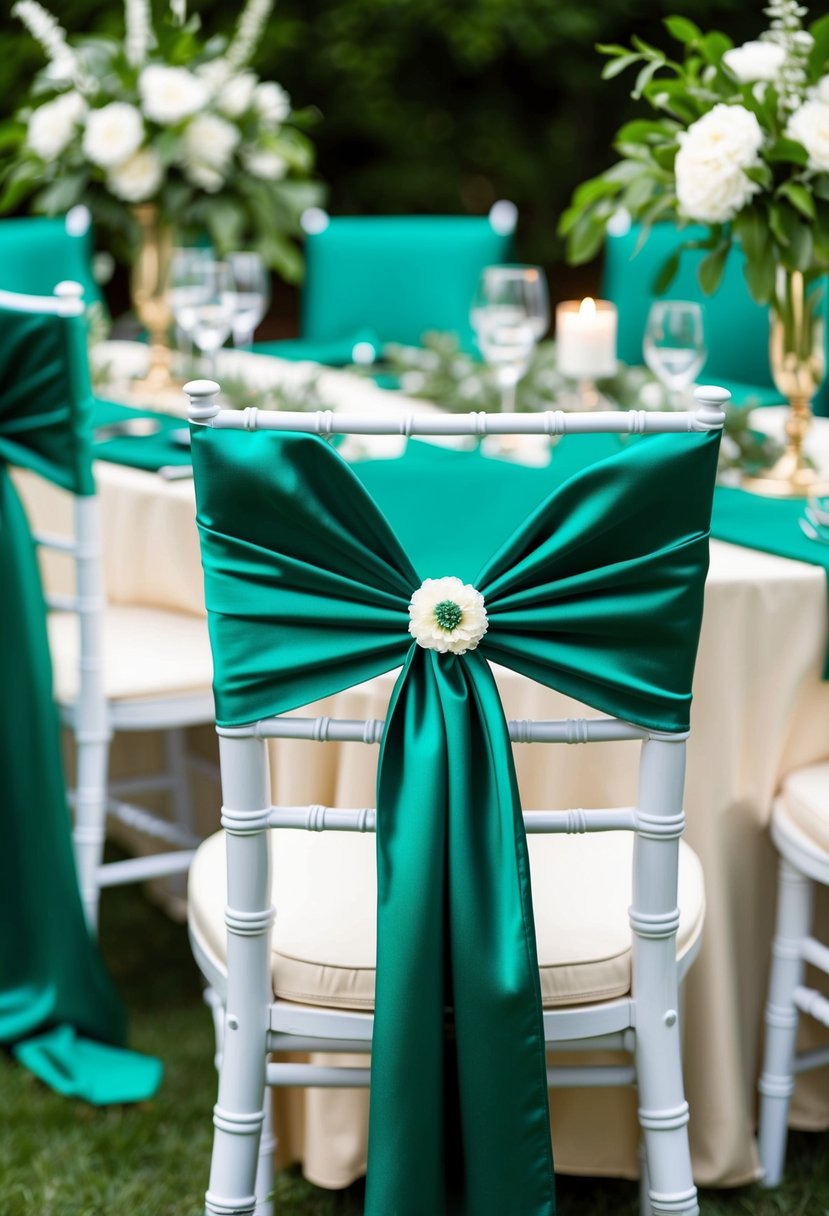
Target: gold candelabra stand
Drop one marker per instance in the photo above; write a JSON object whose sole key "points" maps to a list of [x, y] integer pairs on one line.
{"points": [[148, 286]]}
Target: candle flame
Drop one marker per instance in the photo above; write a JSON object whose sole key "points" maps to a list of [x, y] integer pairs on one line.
{"points": [[587, 308]]}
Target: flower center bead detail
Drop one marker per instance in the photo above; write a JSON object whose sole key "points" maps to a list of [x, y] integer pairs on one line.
{"points": [[447, 615]]}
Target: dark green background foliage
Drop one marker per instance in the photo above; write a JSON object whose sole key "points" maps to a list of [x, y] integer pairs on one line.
{"points": [[439, 105]]}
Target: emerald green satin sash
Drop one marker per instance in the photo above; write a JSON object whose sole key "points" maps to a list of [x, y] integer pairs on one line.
{"points": [[51, 974], [598, 594]]}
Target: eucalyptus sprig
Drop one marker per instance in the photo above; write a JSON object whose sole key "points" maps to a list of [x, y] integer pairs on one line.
{"points": [[736, 138]]}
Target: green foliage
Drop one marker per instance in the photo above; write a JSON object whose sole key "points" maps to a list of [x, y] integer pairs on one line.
{"points": [[780, 221], [435, 107]]}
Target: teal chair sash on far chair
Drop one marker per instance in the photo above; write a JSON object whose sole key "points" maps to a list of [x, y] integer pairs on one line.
{"points": [[37, 253], [379, 279], [736, 327], [58, 1008]]}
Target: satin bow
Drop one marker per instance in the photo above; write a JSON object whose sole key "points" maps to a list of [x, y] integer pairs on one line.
{"points": [[598, 594]]}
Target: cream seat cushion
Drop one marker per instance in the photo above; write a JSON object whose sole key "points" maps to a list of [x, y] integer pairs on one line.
{"points": [[805, 796], [148, 652], [324, 891]]}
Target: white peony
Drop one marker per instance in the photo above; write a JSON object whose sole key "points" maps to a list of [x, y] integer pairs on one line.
{"points": [[112, 134], [809, 125], [204, 176], [236, 95], [755, 61], [210, 140], [265, 164], [53, 124], [138, 178], [711, 191], [729, 133], [447, 615], [170, 94], [272, 103]]}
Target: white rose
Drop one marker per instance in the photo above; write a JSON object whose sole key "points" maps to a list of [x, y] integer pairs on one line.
{"points": [[138, 177], [727, 133], [112, 134], [755, 61], [711, 191], [270, 166], [170, 94], [52, 125], [272, 102], [822, 89], [810, 126], [236, 96], [210, 140], [447, 615], [204, 176]]}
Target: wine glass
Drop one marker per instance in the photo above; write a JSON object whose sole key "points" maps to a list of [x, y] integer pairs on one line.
{"points": [[185, 288], [510, 314], [207, 307], [674, 345], [253, 294]]}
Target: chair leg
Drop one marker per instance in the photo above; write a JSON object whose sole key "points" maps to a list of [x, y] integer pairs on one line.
{"points": [[795, 900], [663, 1118], [90, 820], [645, 1208], [264, 1169], [175, 755]]}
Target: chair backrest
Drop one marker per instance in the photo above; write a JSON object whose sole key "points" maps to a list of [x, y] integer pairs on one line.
{"points": [[398, 276], [307, 589], [38, 252], [736, 327]]}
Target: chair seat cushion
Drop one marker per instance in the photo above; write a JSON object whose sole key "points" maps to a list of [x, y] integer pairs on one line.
{"points": [[324, 890], [805, 796], [148, 652]]}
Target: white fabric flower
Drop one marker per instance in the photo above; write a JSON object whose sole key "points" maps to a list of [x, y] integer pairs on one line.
{"points": [[270, 166], [809, 125], [755, 61], [112, 134], [138, 178], [711, 184], [52, 125], [272, 103], [236, 94], [447, 615], [210, 140], [170, 94]]}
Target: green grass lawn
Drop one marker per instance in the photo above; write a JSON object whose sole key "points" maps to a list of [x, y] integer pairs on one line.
{"points": [[62, 1158]]}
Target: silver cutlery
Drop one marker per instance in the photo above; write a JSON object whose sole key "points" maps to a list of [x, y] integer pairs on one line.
{"points": [[175, 472]]}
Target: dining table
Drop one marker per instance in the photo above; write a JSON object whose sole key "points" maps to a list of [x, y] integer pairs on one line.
{"points": [[760, 709]]}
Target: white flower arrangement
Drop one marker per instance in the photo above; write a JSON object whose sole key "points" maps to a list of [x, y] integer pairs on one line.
{"points": [[447, 615], [116, 123], [738, 139]]}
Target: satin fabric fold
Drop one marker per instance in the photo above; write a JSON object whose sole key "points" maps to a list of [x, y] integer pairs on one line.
{"points": [[599, 594], [52, 977]]}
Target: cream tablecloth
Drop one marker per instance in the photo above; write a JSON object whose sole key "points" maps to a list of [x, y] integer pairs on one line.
{"points": [[760, 709]]}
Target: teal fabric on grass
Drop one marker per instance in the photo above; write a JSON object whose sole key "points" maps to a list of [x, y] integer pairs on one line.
{"points": [[598, 593], [52, 978]]}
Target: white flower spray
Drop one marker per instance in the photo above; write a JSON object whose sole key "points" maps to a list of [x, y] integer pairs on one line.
{"points": [[786, 31], [46, 30], [139, 31], [178, 11], [248, 32]]}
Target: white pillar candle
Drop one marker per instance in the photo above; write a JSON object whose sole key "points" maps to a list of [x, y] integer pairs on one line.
{"points": [[586, 338]]}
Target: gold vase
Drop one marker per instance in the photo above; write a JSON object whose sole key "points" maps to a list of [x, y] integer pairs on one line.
{"points": [[798, 363], [148, 286]]}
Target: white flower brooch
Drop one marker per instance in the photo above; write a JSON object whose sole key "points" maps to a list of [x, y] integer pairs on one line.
{"points": [[447, 615]]}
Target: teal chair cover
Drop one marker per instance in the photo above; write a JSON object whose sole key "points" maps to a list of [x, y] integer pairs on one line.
{"points": [[736, 328], [393, 277], [598, 594], [36, 253], [59, 1010]]}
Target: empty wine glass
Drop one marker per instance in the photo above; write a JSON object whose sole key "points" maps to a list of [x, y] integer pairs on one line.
{"points": [[185, 287], [208, 307], [510, 314], [674, 345], [253, 294]]}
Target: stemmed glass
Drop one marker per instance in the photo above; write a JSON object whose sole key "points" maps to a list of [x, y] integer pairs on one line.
{"points": [[184, 289], [510, 314], [203, 299], [253, 294], [674, 345]]}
